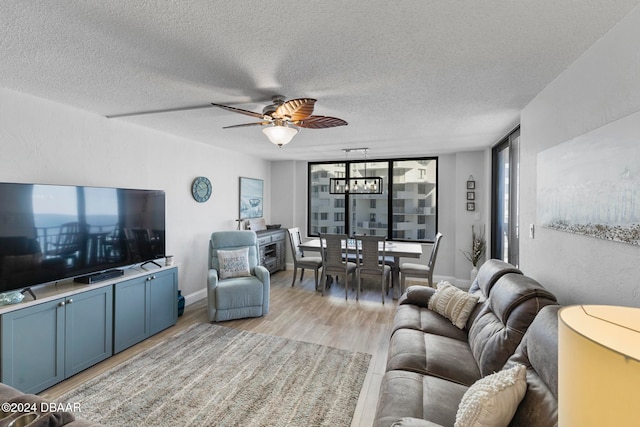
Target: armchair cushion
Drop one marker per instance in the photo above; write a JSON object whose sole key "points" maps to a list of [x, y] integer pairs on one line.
{"points": [[242, 292], [234, 263]]}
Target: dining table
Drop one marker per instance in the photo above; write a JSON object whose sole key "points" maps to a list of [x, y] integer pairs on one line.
{"points": [[393, 249]]}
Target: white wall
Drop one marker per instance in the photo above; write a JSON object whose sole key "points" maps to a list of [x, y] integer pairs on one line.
{"points": [[470, 163], [601, 87], [49, 143], [289, 201]]}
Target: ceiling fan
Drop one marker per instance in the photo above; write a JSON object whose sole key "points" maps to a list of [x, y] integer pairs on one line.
{"points": [[283, 118]]}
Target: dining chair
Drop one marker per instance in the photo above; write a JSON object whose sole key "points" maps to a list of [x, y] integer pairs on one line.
{"points": [[409, 269], [335, 260], [299, 260], [69, 243], [371, 252], [143, 242]]}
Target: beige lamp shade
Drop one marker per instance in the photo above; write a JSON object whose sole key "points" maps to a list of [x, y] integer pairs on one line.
{"points": [[598, 366]]}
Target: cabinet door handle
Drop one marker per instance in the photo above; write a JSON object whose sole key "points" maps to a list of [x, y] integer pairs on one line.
{"points": [[153, 277], [70, 301], [61, 304]]}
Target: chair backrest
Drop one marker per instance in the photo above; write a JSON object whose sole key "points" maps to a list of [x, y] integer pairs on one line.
{"points": [[295, 240], [370, 250], [333, 254], [69, 238], [230, 240], [434, 251], [143, 243]]}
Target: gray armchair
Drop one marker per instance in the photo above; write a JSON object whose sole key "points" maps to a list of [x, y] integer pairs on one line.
{"points": [[246, 294]]}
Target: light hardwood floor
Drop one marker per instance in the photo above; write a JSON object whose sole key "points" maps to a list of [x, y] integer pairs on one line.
{"points": [[298, 313]]}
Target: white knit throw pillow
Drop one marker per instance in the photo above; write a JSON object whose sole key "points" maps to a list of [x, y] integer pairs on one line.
{"points": [[491, 401], [452, 303]]}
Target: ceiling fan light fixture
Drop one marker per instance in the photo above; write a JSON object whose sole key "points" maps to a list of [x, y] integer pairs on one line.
{"points": [[279, 134]]}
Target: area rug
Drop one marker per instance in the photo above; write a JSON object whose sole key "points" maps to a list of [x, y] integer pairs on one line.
{"points": [[212, 375]]}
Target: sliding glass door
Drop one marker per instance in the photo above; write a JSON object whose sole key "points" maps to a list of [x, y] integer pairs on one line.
{"points": [[505, 204]]}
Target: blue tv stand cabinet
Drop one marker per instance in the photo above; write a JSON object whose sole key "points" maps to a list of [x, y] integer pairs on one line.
{"points": [[71, 327]]}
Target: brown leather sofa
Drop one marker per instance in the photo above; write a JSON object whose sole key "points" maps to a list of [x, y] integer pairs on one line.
{"points": [[431, 362], [37, 411]]}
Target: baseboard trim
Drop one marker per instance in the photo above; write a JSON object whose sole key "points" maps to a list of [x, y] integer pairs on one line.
{"points": [[195, 297], [460, 283]]}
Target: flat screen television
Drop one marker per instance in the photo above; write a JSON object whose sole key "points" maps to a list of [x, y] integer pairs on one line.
{"points": [[54, 232]]}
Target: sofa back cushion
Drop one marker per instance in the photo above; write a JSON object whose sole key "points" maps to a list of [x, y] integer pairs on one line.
{"points": [[538, 352], [496, 332], [488, 275]]}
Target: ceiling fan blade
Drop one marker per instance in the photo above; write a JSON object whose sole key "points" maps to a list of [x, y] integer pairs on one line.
{"points": [[166, 110], [320, 122], [246, 124], [295, 109], [238, 110]]}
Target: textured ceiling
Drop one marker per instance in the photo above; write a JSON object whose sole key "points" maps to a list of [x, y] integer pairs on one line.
{"points": [[411, 77]]}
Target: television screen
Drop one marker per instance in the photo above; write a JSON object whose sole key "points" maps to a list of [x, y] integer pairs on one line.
{"points": [[53, 232]]}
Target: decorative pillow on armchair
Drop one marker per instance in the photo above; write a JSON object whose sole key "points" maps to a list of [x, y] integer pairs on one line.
{"points": [[234, 263], [453, 303]]}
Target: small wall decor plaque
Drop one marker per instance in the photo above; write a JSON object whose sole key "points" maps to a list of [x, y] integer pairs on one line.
{"points": [[471, 184]]}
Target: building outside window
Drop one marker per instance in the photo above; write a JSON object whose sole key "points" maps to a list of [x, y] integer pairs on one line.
{"points": [[406, 209]]}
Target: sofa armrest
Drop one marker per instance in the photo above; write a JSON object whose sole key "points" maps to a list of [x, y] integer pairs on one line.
{"points": [[7, 392], [417, 295], [414, 422]]}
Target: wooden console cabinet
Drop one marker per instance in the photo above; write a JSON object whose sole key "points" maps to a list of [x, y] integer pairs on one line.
{"points": [[272, 249], [72, 327]]}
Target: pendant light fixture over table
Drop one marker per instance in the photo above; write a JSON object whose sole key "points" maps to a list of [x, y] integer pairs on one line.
{"points": [[356, 185]]}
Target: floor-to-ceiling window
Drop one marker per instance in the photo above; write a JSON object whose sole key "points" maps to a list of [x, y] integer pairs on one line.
{"points": [[505, 199], [404, 208]]}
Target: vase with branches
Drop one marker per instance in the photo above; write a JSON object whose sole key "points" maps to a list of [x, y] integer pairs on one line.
{"points": [[478, 247]]}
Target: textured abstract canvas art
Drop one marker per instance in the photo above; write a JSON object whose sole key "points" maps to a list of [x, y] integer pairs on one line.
{"points": [[591, 184]]}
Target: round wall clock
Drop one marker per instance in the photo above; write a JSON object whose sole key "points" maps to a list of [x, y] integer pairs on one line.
{"points": [[201, 189]]}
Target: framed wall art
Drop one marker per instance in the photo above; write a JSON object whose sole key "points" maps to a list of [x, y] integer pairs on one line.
{"points": [[471, 183], [580, 191], [251, 198]]}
